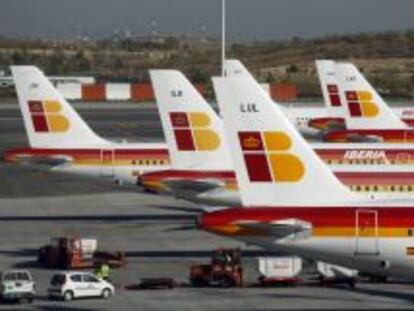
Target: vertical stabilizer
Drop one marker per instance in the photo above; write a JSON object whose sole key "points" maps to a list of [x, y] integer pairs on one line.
{"points": [[365, 108], [50, 121], [193, 130], [273, 163]]}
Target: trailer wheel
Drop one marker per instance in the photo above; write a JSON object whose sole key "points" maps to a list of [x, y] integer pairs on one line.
{"points": [[227, 282]]}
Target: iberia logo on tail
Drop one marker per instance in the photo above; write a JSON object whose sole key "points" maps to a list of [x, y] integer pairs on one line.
{"points": [[267, 157], [192, 131], [360, 104], [46, 116]]}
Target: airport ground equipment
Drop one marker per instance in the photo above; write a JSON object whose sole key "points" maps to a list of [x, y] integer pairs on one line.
{"points": [[225, 270], [282, 270], [73, 252], [373, 278], [333, 274], [17, 285]]}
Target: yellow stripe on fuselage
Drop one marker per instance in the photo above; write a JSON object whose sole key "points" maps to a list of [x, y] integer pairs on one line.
{"points": [[385, 232], [328, 232]]}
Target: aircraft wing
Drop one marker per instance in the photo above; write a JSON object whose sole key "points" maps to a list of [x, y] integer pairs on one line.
{"points": [[199, 186], [45, 161], [356, 138], [280, 229]]}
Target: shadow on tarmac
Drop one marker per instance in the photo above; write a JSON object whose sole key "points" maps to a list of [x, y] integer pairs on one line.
{"points": [[19, 306], [137, 254], [189, 253], [409, 297], [108, 217], [307, 309], [23, 252], [61, 308]]}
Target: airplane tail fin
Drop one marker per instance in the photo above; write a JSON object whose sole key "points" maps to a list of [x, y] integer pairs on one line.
{"points": [[193, 130], [234, 68], [365, 109], [50, 121], [330, 87], [273, 163]]}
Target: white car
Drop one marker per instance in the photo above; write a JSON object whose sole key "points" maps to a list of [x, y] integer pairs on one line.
{"points": [[70, 285], [17, 285]]}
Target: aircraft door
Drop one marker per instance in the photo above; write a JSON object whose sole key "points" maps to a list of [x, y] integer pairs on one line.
{"points": [[107, 163], [366, 232]]}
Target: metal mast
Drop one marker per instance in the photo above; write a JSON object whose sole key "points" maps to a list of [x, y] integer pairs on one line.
{"points": [[223, 35]]}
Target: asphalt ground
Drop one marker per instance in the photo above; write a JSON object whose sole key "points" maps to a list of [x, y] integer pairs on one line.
{"points": [[156, 232]]}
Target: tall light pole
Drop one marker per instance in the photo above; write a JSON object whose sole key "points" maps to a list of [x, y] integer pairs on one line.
{"points": [[223, 36]]}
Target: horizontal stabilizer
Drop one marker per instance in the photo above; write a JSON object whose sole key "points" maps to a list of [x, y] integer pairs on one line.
{"points": [[280, 229]]}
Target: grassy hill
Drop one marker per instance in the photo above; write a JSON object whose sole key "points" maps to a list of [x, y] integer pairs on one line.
{"points": [[386, 58]]}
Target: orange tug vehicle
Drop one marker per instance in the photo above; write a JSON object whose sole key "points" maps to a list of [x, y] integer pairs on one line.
{"points": [[74, 252], [225, 270]]}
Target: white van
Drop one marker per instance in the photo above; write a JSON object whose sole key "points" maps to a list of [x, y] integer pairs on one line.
{"points": [[70, 285], [17, 285]]}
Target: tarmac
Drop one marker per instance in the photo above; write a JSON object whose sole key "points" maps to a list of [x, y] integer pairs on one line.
{"points": [[157, 233]]}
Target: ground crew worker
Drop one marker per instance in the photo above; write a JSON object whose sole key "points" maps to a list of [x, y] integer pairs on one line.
{"points": [[105, 271], [98, 273]]}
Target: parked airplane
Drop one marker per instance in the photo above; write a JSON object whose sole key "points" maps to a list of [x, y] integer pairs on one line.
{"points": [[59, 138], [207, 176], [292, 201], [331, 116], [349, 97], [201, 167], [372, 166]]}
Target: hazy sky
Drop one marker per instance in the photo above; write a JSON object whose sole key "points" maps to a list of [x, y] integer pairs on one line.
{"points": [[247, 19]]}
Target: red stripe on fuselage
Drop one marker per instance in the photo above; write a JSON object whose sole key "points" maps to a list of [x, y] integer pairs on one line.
{"points": [[386, 135], [376, 178], [317, 216], [323, 123], [348, 178], [10, 155]]}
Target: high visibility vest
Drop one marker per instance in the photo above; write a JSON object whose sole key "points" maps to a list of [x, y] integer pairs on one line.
{"points": [[105, 271]]}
